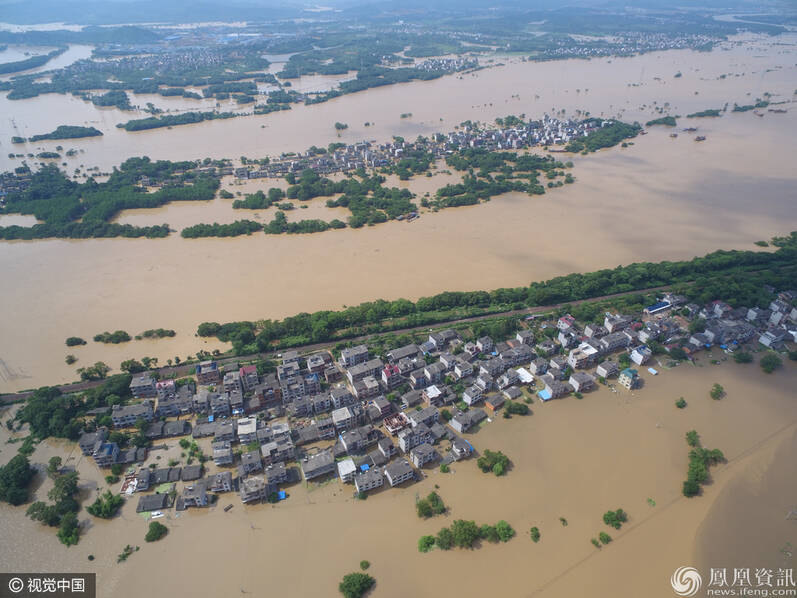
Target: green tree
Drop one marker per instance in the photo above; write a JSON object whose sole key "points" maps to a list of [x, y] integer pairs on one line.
{"points": [[770, 362], [465, 533], [68, 530], [604, 538], [426, 543], [505, 531], [106, 506], [691, 488], [535, 534], [693, 438], [493, 461], [354, 585], [717, 392], [132, 366], [680, 403], [423, 508], [156, 532], [54, 466], [743, 357], [615, 518], [15, 477], [445, 539]]}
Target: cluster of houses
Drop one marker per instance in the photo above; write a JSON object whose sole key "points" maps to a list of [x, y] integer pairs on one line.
{"points": [[379, 420], [365, 154], [626, 44]]}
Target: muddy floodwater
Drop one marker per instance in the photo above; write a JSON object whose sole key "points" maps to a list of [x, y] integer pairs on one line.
{"points": [[570, 458], [659, 198]]}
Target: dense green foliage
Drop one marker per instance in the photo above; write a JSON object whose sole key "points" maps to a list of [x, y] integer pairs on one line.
{"points": [[355, 585], [516, 408], [425, 543], [615, 518], [68, 132], [173, 120], [116, 98], [30, 63], [74, 341], [15, 476], [233, 229], [50, 413], [668, 121], [535, 534], [770, 362], [214, 66], [465, 534], [748, 107], [74, 210], [607, 136], [62, 513], [259, 200], [106, 505], [156, 333], [429, 506], [119, 336], [699, 461], [98, 371], [493, 461], [364, 196], [717, 391], [743, 357], [491, 173], [280, 225], [156, 531], [705, 113]]}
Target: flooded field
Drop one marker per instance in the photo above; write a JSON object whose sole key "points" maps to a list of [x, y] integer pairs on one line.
{"points": [[627, 87], [660, 198], [570, 458]]}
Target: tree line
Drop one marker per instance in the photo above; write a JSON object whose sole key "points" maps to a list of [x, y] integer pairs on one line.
{"points": [[381, 315]]}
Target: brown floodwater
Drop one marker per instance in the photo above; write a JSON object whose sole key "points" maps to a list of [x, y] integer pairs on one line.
{"points": [[660, 198], [570, 458]]}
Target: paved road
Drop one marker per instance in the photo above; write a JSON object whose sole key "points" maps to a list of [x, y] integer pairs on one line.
{"points": [[185, 370]]}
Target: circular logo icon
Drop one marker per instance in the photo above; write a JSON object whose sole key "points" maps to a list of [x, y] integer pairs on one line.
{"points": [[16, 585], [686, 581]]}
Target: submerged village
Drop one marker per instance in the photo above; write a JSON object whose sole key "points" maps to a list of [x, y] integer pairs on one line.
{"points": [[511, 133], [368, 420]]}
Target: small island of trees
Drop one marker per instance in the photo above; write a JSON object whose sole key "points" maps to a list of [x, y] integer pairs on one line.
{"points": [[156, 531], [355, 585], [429, 506], [705, 113], [119, 336], [668, 121], [607, 136], [493, 461], [68, 132], [700, 459], [465, 534]]}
